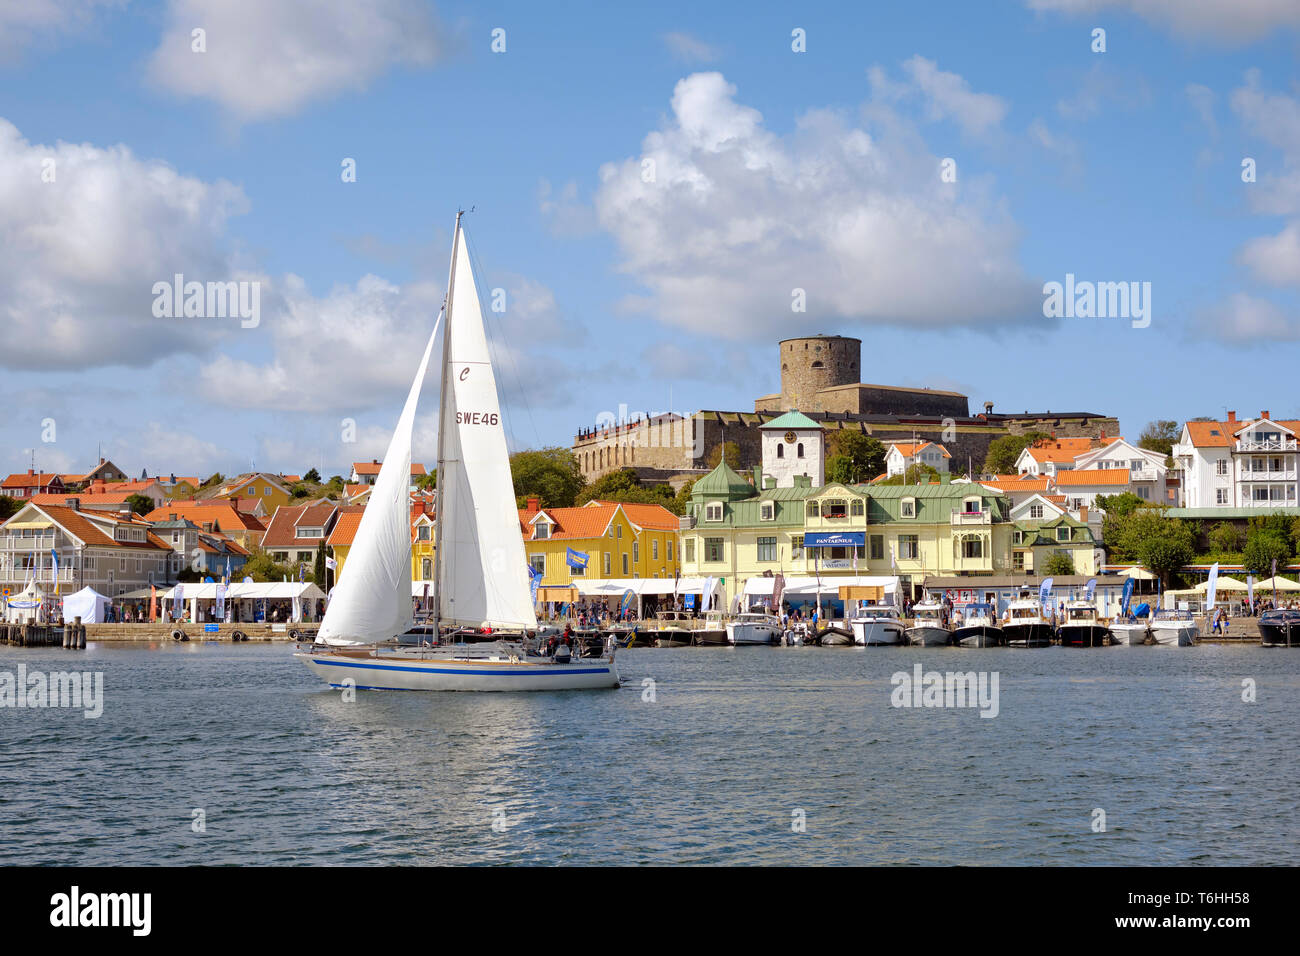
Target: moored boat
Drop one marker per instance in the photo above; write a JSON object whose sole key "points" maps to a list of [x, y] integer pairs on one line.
{"points": [[928, 628], [1025, 625], [837, 634], [877, 625], [1173, 628], [712, 632], [754, 628], [1131, 633], [1081, 626], [978, 627], [1280, 628]]}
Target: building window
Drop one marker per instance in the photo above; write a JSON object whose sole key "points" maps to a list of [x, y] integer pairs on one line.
{"points": [[1063, 533], [606, 564], [636, 552], [971, 506], [907, 508], [422, 533], [1036, 511], [812, 509], [858, 508], [689, 557], [908, 547], [713, 549], [877, 547], [780, 451], [1018, 560], [972, 547], [834, 509], [624, 564], [670, 549], [767, 549], [620, 532], [796, 546], [426, 569], [798, 450], [1221, 466], [1143, 492], [654, 549], [713, 511], [536, 561], [767, 511], [541, 531]]}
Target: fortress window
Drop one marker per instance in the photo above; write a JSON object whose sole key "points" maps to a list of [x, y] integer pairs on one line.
{"points": [[818, 365]]}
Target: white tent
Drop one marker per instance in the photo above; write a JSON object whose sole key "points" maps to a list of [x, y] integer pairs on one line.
{"points": [[1225, 583], [1141, 574], [87, 604], [1279, 582]]}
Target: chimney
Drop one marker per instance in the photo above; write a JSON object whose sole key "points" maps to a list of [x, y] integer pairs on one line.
{"points": [[1083, 513], [534, 503], [101, 461], [1264, 413], [1232, 416], [988, 408], [31, 471], [73, 503]]}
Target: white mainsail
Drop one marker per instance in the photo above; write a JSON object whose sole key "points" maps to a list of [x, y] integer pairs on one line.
{"points": [[372, 601], [482, 572]]}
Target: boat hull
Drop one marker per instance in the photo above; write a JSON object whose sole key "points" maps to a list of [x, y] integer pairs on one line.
{"points": [[873, 633], [836, 637], [1170, 636], [673, 639], [450, 674], [711, 637], [1029, 635], [978, 635], [1279, 635], [743, 634], [1130, 635], [1083, 635], [928, 635]]}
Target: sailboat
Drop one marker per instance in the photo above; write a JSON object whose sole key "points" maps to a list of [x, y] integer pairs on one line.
{"points": [[483, 634]]}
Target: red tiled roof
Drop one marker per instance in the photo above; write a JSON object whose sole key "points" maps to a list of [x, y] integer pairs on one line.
{"points": [[24, 480], [652, 517], [280, 531], [1065, 449], [1092, 476], [223, 515], [80, 525]]}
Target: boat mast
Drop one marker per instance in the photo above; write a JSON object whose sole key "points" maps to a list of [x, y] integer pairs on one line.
{"points": [[440, 474]]}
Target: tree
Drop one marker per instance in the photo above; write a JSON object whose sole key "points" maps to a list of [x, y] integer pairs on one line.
{"points": [[260, 567], [313, 476], [1165, 556], [429, 481], [8, 507], [1160, 436], [1116, 510], [1226, 538], [1262, 549], [318, 571], [855, 458], [140, 504], [625, 485], [1003, 452], [917, 474], [728, 449], [551, 474], [1160, 544], [683, 498], [1058, 563]]}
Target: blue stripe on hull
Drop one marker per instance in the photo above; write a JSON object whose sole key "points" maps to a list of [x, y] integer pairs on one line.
{"points": [[542, 670]]}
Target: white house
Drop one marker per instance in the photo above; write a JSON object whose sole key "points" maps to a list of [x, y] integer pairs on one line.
{"points": [[1249, 463], [793, 445], [1049, 456], [903, 455], [1144, 469]]}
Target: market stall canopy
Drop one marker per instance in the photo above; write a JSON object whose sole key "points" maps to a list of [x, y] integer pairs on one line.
{"points": [[274, 590], [1280, 583], [1225, 584], [799, 584], [615, 587], [1141, 574], [87, 604]]}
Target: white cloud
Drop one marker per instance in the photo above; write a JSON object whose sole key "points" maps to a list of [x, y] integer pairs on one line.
{"points": [[267, 59], [1274, 118], [1229, 20], [165, 450], [23, 22], [79, 255], [735, 217], [689, 49], [945, 95], [1103, 86], [564, 213], [1244, 319], [1275, 259]]}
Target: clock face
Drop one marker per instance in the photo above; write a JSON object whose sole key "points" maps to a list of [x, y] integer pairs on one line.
{"points": [[789, 438]]}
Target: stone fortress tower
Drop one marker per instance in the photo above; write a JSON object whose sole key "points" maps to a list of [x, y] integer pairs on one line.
{"points": [[813, 363]]}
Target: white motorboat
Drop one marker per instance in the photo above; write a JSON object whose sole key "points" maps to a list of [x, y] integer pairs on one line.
{"points": [[483, 627], [928, 629], [1131, 633], [1173, 628], [754, 628], [877, 625]]}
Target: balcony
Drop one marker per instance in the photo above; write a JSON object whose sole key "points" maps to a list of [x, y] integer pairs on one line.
{"points": [[1285, 444], [963, 518], [686, 522], [1143, 474], [1267, 476]]}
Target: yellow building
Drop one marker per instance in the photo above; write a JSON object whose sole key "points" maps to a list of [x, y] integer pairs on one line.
{"points": [[620, 541], [268, 489]]}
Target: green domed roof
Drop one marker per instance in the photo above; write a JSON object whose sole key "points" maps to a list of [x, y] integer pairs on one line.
{"points": [[792, 419], [723, 482]]}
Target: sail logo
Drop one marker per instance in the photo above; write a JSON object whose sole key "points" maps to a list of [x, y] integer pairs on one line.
{"points": [[76, 909], [1098, 300], [208, 300], [38, 690], [950, 689]]}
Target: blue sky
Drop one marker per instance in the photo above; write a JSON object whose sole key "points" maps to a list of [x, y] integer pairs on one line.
{"points": [[774, 170]]}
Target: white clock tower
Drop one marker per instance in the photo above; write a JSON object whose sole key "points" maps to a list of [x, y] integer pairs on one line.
{"points": [[793, 445]]}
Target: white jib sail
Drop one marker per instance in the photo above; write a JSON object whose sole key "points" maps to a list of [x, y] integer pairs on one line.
{"points": [[482, 572], [372, 600]]}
